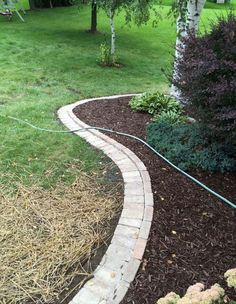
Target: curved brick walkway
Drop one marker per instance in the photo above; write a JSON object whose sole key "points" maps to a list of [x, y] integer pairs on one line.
{"points": [[123, 257]]}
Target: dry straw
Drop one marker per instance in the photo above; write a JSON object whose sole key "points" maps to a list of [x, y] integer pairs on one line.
{"points": [[45, 234]]}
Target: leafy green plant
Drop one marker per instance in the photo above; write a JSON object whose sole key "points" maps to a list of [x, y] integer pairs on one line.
{"points": [[187, 147], [171, 117], [105, 57], [155, 103]]}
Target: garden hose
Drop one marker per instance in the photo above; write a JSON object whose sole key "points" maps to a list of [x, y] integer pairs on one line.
{"points": [[138, 139]]}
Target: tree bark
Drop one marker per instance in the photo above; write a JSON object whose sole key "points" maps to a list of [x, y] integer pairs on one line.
{"points": [[181, 32], [194, 9], [185, 24], [93, 28], [113, 34], [32, 4]]}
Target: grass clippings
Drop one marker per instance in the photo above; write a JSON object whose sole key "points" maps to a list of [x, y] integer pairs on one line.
{"points": [[47, 235]]}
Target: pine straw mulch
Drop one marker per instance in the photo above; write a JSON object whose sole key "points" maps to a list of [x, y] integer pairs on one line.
{"points": [[47, 235]]}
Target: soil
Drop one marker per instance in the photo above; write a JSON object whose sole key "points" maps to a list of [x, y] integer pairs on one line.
{"points": [[193, 234]]}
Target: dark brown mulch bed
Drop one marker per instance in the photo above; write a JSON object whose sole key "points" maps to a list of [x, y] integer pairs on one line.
{"points": [[193, 235]]}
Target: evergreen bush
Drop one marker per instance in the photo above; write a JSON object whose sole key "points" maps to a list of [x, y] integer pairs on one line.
{"points": [[186, 146]]}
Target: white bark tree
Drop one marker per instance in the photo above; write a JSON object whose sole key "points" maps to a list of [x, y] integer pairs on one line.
{"points": [[188, 20], [194, 10], [138, 11], [113, 35], [111, 7]]}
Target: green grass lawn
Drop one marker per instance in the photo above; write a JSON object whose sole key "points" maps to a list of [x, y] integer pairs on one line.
{"points": [[50, 61]]}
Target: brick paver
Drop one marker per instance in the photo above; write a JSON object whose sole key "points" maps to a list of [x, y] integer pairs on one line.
{"points": [[122, 259]]}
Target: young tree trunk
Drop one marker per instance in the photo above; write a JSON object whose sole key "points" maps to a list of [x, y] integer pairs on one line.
{"points": [[93, 28], [181, 31], [113, 35], [184, 24], [194, 9], [32, 4]]}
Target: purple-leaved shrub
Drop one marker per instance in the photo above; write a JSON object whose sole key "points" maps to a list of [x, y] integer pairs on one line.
{"points": [[206, 78]]}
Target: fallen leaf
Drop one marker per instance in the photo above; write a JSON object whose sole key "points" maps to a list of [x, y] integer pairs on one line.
{"points": [[113, 274], [144, 265]]}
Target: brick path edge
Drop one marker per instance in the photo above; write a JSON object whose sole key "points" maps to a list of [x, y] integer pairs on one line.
{"points": [[123, 257]]}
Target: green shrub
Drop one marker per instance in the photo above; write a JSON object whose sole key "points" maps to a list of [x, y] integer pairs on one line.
{"points": [[186, 146], [171, 117], [154, 103], [105, 57]]}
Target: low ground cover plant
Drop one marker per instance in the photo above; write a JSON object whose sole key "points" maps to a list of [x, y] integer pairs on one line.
{"points": [[197, 295], [187, 147]]}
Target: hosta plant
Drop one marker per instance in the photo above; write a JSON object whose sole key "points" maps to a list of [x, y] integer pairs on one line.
{"points": [[171, 117], [155, 103]]}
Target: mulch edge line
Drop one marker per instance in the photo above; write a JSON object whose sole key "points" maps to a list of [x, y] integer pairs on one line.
{"points": [[123, 257]]}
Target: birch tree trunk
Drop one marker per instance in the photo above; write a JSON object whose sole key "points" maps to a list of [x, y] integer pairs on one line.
{"points": [[184, 24], [194, 9], [113, 35], [181, 32]]}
